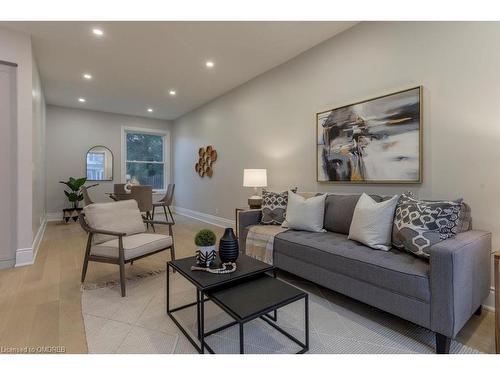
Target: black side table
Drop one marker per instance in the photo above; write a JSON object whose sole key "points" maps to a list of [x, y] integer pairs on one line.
{"points": [[205, 282], [257, 298]]}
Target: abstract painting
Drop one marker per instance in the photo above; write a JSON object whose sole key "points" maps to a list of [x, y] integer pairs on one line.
{"points": [[374, 141]]}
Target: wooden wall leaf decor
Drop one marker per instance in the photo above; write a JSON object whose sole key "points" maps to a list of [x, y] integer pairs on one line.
{"points": [[206, 159]]}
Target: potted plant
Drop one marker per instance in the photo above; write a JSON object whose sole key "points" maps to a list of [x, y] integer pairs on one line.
{"points": [[205, 247], [74, 195]]}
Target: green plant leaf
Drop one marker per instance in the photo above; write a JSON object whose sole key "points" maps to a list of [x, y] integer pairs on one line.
{"points": [[73, 197], [81, 181]]}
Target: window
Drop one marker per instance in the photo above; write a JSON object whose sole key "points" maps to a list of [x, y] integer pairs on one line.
{"points": [[145, 158]]}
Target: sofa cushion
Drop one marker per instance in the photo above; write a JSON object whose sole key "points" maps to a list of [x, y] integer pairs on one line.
{"points": [[122, 216], [419, 224], [464, 218], [305, 213], [133, 246], [372, 222], [274, 207], [393, 270], [339, 210]]}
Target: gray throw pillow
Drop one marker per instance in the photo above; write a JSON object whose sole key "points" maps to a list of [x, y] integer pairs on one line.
{"points": [[274, 207], [464, 219], [420, 224]]}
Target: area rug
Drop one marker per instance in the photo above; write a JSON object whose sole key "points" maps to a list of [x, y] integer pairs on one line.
{"points": [[138, 322]]}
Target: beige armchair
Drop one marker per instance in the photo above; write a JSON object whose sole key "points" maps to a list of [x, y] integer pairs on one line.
{"points": [[117, 235]]}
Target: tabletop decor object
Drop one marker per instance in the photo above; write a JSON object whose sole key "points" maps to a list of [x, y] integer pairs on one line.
{"points": [[224, 268], [372, 141], [205, 247], [206, 159], [255, 178], [228, 247]]}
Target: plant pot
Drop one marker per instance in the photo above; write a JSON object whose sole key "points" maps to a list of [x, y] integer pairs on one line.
{"points": [[205, 255], [228, 247]]}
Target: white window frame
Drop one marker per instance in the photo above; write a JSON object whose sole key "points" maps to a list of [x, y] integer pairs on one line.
{"points": [[166, 152]]}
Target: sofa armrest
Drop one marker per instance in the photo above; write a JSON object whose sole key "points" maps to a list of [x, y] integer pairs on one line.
{"points": [[246, 218], [459, 279]]}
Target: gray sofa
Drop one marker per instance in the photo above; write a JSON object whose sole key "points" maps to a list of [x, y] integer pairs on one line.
{"points": [[440, 294]]}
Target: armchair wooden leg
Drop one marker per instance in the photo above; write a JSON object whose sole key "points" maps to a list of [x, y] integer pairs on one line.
{"points": [[121, 259], [122, 278], [84, 269], [86, 259], [172, 253], [442, 344], [479, 311], [151, 217]]}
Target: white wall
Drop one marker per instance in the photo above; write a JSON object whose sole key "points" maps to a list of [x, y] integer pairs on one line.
{"points": [[70, 134], [8, 110], [16, 47], [269, 122]]}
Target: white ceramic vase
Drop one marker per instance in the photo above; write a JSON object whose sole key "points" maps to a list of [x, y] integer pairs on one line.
{"points": [[205, 255]]}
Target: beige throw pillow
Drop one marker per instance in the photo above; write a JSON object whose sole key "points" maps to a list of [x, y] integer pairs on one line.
{"points": [[122, 216], [372, 222], [305, 214]]}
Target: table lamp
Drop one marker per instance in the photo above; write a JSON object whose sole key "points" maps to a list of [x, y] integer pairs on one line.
{"points": [[255, 178]]}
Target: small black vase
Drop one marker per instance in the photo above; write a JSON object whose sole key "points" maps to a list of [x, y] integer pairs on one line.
{"points": [[228, 247]]}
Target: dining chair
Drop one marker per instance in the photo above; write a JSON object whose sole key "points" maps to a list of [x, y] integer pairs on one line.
{"points": [[119, 189], [166, 202], [117, 235], [143, 194], [86, 197]]}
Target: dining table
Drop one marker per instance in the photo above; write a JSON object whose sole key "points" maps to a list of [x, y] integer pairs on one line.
{"points": [[119, 196]]}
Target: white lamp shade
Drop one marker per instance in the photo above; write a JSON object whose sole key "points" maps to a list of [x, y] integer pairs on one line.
{"points": [[255, 177]]}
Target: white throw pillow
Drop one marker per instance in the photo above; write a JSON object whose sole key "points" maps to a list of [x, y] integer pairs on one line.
{"points": [[372, 222], [305, 214]]}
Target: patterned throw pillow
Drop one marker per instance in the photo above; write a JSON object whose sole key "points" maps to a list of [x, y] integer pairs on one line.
{"points": [[465, 218], [274, 207], [420, 224]]}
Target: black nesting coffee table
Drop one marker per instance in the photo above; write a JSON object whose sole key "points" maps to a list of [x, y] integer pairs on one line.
{"points": [[246, 294]]}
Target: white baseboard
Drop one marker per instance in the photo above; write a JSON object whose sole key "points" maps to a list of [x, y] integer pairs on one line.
{"points": [[489, 303], [27, 256], [206, 218]]}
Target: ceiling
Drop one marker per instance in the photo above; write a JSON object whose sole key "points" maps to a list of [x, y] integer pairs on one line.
{"points": [[134, 65]]}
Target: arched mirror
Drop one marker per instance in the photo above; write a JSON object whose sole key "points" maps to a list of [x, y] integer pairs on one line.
{"points": [[99, 161]]}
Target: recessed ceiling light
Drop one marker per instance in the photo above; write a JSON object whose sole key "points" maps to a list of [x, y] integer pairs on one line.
{"points": [[172, 92], [81, 100], [209, 64], [87, 76], [150, 109], [98, 32]]}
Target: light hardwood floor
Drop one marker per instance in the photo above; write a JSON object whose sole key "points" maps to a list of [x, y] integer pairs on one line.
{"points": [[40, 305]]}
